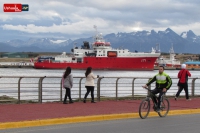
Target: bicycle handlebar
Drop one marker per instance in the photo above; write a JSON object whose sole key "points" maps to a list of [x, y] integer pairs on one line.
{"points": [[146, 88]]}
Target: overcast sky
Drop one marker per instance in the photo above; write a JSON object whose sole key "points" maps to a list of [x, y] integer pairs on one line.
{"points": [[76, 18]]}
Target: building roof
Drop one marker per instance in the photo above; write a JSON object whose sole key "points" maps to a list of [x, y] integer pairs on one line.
{"points": [[193, 62]]}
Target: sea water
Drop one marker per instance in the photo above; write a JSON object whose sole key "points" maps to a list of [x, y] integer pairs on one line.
{"points": [[77, 73]]}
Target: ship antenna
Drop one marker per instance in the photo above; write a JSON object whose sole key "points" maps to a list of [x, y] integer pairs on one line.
{"points": [[74, 44], [96, 37], [171, 50], [157, 48], [95, 27]]}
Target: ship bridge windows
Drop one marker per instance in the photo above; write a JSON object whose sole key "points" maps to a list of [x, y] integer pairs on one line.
{"points": [[79, 60]]}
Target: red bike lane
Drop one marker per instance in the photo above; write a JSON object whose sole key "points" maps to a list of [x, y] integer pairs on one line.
{"points": [[37, 111]]}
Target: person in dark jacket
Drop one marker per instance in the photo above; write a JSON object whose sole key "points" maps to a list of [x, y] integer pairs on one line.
{"points": [[67, 83], [163, 83], [183, 82]]}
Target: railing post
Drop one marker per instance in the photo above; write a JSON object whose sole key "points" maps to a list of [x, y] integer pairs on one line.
{"points": [[61, 90], [80, 89], [149, 87], [19, 90], [193, 86], [98, 89], [116, 97], [40, 89], [133, 88]]}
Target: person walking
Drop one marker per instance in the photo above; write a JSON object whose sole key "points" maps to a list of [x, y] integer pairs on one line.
{"points": [[67, 82], [89, 84], [163, 83], [183, 82]]}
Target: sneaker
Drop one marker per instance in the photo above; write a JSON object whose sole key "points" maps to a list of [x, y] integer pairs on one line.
{"points": [[189, 99], [157, 110], [64, 102], [175, 98], [93, 102]]}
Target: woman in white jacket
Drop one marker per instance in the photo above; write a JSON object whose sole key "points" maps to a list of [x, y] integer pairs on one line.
{"points": [[89, 84], [67, 82]]}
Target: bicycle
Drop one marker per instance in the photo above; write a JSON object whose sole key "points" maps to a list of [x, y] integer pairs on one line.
{"points": [[144, 107]]}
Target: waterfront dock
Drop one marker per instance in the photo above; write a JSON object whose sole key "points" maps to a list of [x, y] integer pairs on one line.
{"points": [[16, 65], [8, 66], [175, 68]]}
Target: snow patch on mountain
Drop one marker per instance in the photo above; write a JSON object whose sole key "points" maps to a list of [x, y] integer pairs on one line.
{"points": [[184, 35], [58, 41]]}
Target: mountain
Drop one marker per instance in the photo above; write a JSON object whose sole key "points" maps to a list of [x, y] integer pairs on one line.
{"points": [[37, 45], [186, 42], [193, 42]]}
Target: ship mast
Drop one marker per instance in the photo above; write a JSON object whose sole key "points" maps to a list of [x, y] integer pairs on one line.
{"points": [[171, 50], [172, 54], [98, 36], [95, 27]]}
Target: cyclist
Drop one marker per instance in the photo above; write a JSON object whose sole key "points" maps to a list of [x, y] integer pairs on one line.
{"points": [[163, 83]]}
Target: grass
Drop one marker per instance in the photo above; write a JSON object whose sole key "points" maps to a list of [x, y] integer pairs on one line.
{"points": [[6, 99], [14, 59]]}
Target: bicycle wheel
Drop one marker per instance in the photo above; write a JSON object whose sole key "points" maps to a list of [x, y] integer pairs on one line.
{"points": [[164, 108], [144, 108]]}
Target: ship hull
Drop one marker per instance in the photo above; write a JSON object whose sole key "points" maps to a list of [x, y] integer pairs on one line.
{"points": [[101, 63]]}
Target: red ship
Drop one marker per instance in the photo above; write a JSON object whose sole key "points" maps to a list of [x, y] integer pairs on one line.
{"points": [[100, 56]]}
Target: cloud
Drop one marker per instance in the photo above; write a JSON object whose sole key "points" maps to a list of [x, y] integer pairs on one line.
{"points": [[77, 17]]}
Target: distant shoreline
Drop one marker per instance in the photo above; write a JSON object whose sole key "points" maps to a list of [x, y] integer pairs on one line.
{"points": [[20, 66], [173, 68], [30, 66]]}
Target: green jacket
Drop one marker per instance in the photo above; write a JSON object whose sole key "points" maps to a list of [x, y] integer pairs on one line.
{"points": [[162, 81]]}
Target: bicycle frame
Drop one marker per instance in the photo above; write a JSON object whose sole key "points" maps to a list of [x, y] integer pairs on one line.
{"points": [[144, 107], [152, 96]]}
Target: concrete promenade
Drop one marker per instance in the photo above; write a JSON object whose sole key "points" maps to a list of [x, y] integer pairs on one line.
{"points": [[35, 114]]}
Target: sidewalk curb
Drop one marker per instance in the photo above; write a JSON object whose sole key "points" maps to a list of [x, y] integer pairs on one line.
{"points": [[45, 122]]}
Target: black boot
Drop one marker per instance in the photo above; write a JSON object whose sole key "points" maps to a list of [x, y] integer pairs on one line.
{"points": [[84, 101]]}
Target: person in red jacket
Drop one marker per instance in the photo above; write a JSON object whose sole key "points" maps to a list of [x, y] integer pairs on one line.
{"points": [[183, 82]]}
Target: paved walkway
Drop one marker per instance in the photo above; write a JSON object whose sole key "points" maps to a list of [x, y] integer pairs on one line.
{"points": [[24, 115]]}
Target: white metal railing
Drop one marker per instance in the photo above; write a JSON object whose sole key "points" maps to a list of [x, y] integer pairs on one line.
{"points": [[44, 89]]}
